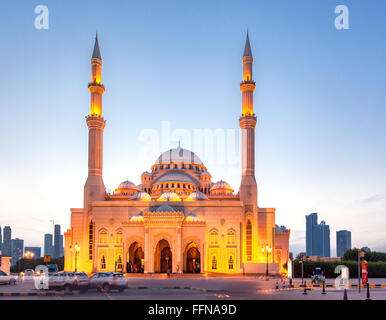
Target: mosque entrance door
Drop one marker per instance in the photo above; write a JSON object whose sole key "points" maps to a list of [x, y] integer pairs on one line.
{"points": [[163, 257], [192, 259]]}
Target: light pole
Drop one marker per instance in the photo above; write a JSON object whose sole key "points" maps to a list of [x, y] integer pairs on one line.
{"points": [[267, 250], [77, 249]]}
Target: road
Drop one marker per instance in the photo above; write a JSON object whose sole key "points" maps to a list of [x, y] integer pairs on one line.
{"points": [[207, 288]]}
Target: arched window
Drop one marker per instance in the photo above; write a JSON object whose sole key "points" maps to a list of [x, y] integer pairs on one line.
{"points": [[119, 263], [214, 237], [231, 262], [103, 262], [103, 236], [214, 263], [249, 241], [118, 237], [231, 237]]}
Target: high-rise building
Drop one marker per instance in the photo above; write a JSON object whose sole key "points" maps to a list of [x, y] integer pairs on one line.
{"points": [[317, 237], [7, 242], [37, 251], [57, 241], [343, 242], [61, 246], [48, 247], [17, 250]]}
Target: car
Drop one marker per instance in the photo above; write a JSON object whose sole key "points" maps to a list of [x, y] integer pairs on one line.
{"points": [[52, 268], [81, 281], [28, 274], [68, 281], [106, 281], [7, 278]]}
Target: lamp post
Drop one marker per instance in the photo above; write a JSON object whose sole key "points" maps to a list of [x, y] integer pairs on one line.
{"points": [[266, 250], [77, 249]]}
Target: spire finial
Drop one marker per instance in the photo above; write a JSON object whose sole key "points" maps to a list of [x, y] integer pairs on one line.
{"points": [[247, 49], [96, 53], [179, 143]]}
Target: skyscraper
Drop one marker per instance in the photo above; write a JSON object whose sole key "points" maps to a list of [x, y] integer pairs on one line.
{"points": [[343, 242], [48, 248], [7, 243], [317, 237], [57, 241], [17, 250], [61, 246]]}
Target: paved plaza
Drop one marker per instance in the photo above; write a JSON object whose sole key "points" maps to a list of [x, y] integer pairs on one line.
{"points": [[202, 288]]}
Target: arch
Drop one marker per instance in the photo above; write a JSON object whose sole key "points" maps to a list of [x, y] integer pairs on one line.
{"points": [[135, 258], [213, 233], [163, 257], [103, 235], [192, 258], [231, 236]]}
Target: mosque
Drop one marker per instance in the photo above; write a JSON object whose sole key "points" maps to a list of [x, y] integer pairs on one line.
{"points": [[177, 220]]}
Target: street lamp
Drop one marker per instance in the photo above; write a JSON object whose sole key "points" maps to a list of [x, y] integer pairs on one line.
{"points": [[266, 250], [77, 249], [29, 254]]}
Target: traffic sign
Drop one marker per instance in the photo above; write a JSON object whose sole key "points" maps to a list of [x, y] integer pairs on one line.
{"points": [[47, 258]]}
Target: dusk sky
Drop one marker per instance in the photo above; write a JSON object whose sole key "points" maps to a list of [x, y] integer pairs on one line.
{"points": [[320, 101]]}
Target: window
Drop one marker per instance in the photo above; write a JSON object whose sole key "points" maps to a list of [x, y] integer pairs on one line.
{"points": [[214, 237], [90, 240], [231, 237], [230, 263], [249, 241], [103, 262], [103, 236], [118, 238], [214, 263], [119, 263]]}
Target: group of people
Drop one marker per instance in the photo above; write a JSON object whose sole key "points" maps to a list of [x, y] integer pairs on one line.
{"points": [[134, 268]]}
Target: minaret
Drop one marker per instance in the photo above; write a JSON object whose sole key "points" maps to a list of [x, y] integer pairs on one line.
{"points": [[94, 188], [247, 121]]}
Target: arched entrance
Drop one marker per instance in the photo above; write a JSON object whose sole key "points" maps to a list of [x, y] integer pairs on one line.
{"points": [[192, 259], [163, 257], [135, 261]]}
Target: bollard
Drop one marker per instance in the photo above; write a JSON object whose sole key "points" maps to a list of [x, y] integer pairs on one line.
{"points": [[345, 294], [368, 292], [324, 288], [305, 288]]}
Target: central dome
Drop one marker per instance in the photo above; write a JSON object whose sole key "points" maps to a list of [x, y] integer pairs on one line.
{"points": [[179, 155]]}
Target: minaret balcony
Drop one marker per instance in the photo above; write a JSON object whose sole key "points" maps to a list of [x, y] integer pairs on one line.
{"points": [[95, 84], [248, 82]]}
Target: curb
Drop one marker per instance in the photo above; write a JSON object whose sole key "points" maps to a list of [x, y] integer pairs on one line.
{"points": [[39, 293]]}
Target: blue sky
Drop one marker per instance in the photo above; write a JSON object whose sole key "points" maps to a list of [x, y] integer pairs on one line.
{"points": [[320, 100]]}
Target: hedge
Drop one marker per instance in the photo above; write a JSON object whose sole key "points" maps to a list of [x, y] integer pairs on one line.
{"points": [[375, 269]]}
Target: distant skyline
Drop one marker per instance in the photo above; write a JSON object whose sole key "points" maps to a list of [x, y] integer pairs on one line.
{"points": [[320, 101]]}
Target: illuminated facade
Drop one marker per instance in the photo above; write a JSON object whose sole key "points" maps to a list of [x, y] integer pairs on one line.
{"points": [[177, 219]]}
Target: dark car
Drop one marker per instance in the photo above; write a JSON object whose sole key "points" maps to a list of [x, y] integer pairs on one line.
{"points": [[107, 281]]}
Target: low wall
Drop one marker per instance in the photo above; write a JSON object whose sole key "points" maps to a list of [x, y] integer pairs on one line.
{"points": [[261, 268]]}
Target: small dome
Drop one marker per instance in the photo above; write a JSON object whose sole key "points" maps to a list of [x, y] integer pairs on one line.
{"points": [[165, 208], [143, 196], [221, 185], [137, 218], [125, 186], [198, 195], [192, 218], [169, 196], [146, 173]]}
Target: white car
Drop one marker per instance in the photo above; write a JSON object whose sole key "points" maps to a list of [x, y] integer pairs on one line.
{"points": [[7, 279], [108, 280]]}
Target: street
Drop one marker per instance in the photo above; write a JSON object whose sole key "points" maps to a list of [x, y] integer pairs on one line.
{"points": [[202, 288]]}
